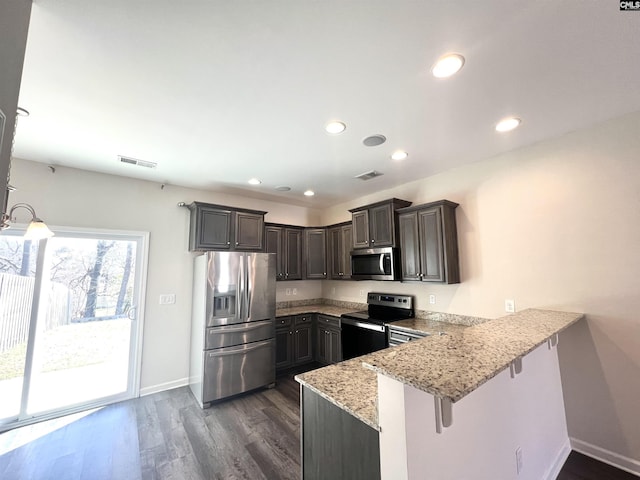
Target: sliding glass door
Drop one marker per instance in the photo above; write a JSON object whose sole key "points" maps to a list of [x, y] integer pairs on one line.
{"points": [[70, 326]]}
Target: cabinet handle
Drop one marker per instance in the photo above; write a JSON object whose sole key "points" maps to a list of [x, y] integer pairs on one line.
{"points": [[325, 274], [237, 243], [228, 243], [297, 331], [290, 333], [373, 241]]}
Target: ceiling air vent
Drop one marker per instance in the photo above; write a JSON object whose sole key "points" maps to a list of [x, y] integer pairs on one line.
{"points": [[135, 161], [369, 175]]}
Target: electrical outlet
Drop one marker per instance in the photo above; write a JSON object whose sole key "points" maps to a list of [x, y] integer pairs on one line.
{"points": [[432, 299], [333, 290], [294, 291], [168, 299], [509, 306], [287, 291], [518, 460]]}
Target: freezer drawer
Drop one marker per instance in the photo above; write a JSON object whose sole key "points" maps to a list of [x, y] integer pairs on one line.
{"points": [[230, 335], [232, 370]]}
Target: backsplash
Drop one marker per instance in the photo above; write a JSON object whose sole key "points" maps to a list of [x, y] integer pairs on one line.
{"points": [[321, 301]]}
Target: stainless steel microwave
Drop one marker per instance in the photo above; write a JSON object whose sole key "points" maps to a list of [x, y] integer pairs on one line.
{"points": [[375, 264]]}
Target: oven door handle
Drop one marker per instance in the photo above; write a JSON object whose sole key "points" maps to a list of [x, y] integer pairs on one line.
{"points": [[368, 326]]}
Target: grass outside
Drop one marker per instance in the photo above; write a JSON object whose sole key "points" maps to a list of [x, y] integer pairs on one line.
{"points": [[69, 346]]}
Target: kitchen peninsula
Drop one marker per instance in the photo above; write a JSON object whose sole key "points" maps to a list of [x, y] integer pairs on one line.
{"points": [[479, 402]]}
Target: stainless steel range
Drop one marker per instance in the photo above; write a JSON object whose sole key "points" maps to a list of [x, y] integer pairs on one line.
{"points": [[366, 331]]}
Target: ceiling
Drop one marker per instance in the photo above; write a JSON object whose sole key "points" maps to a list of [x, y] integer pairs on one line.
{"points": [[218, 92]]}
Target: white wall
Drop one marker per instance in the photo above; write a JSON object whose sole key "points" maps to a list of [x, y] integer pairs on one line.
{"points": [[556, 226], [78, 198]]}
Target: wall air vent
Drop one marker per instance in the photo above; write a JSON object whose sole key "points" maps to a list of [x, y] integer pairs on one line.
{"points": [[135, 161], [368, 175]]}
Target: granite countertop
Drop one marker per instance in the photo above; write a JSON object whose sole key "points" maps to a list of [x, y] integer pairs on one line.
{"points": [[452, 366], [332, 310], [426, 326], [348, 385], [449, 366]]}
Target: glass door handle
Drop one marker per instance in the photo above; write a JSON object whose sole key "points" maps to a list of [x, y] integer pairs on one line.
{"points": [[131, 312]]}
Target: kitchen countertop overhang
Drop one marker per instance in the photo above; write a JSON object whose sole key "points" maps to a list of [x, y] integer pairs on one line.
{"points": [[449, 366]]}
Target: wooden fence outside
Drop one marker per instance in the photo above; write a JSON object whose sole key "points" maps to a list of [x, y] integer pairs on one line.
{"points": [[16, 296]]}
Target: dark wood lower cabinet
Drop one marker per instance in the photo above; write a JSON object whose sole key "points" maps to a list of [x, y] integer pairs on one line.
{"points": [[335, 444], [328, 345]]}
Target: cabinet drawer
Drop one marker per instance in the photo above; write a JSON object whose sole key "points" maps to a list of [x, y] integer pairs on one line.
{"points": [[325, 321], [303, 319], [282, 322]]}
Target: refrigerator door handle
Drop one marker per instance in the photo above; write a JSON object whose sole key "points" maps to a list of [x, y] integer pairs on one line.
{"points": [[240, 290], [244, 348], [248, 286], [241, 328]]}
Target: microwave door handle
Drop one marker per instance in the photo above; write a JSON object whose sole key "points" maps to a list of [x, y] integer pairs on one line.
{"points": [[382, 263]]}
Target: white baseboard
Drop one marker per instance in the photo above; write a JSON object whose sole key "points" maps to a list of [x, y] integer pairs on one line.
{"points": [[161, 387], [558, 463], [619, 461]]}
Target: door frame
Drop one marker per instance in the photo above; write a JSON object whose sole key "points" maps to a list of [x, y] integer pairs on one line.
{"points": [[135, 354]]}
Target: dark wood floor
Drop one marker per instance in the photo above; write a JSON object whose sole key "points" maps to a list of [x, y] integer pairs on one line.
{"points": [[581, 467], [166, 436]]}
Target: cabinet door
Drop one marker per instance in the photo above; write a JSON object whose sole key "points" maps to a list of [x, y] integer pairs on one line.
{"points": [[293, 254], [347, 241], [316, 253], [321, 345], [431, 251], [273, 244], [334, 345], [360, 224], [381, 228], [335, 253], [249, 231], [409, 246], [210, 229], [284, 348], [303, 346]]}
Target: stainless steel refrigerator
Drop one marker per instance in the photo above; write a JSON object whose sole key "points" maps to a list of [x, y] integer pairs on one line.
{"points": [[232, 324]]}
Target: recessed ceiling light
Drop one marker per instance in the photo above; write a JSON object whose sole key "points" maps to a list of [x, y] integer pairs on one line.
{"points": [[254, 181], [335, 127], [309, 193], [447, 65], [399, 155], [374, 140], [508, 124], [283, 188]]}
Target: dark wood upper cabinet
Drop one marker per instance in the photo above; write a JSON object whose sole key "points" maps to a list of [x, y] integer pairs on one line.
{"points": [[429, 242], [293, 253], [315, 248], [274, 241], [286, 242], [340, 245], [249, 230], [376, 225], [216, 227], [360, 222]]}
